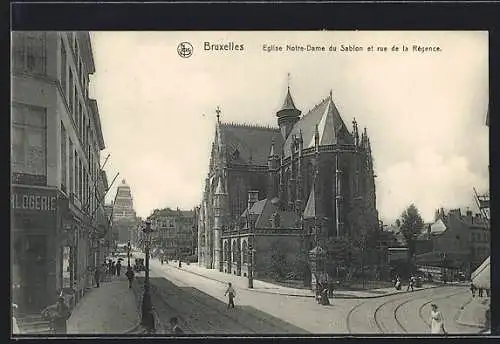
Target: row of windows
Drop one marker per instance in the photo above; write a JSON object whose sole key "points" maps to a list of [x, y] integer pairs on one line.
{"points": [[81, 182], [82, 123], [480, 237]]}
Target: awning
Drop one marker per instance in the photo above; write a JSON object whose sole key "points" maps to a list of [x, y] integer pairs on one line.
{"points": [[481, 277]]}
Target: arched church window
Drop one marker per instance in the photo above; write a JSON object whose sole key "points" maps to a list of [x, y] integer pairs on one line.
{"points": [[245, 252]]}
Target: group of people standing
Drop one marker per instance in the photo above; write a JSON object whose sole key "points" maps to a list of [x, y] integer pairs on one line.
{"points": [[480, 291]]}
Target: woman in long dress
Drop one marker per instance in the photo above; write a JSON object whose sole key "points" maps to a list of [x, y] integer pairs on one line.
{"points": [[437, 321]]}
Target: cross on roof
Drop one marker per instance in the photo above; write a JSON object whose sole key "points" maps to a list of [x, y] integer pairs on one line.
{"points": [[288, 79], [217, 111]]}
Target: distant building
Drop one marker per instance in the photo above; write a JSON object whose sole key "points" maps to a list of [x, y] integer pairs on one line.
{"points": [[124, 217], [454, 242], [175, 232]]}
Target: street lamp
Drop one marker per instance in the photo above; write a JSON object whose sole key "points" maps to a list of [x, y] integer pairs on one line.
{"points": [[129, 248], [147, 314]]}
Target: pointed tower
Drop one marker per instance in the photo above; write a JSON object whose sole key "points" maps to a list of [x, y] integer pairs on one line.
{"points": [[300, 178], [273, 162], [219, 198], [288, 115]]}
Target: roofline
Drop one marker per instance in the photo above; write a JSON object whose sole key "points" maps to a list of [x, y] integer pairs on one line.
{"points": [[248, 125], [87, 46], [97, 123]]}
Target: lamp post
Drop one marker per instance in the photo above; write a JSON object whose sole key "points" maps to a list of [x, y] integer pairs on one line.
{"points": [[129, 248], [147, 319]]}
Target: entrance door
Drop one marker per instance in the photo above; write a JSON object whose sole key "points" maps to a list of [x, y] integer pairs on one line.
{"points": [[34, 273]]}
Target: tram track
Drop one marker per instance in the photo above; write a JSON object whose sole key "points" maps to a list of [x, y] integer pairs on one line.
{"points": [[211, 314], [381, 326]]}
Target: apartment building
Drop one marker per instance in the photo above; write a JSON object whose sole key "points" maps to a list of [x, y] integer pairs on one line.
{"points": [[56, 217]]}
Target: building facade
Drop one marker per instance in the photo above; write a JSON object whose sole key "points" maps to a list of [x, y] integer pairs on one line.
{"points": [[55, 166], [310, 165], [124, 216], [455, 242], [175, 232]]}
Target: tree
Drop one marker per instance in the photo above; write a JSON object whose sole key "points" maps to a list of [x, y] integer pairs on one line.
{"points": [[278, 263], [411, 226]]}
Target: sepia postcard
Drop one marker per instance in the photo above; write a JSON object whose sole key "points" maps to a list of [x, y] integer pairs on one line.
{"points": [[208, 183]]}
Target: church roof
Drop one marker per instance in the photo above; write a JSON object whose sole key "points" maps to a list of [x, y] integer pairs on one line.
{"points": [[252, 143], [265, 209], [288, 104], [331, 127], [310, 209]]}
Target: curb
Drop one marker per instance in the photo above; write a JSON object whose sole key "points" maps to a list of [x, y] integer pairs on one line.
{"points": [[467, 324], [138, 325], [311, 296]]}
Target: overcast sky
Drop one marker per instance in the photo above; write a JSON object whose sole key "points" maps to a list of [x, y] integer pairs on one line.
{"points": [[424, 112]]}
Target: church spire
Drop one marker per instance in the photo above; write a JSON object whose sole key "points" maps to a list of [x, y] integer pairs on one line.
{"points": [[288, 115], [218, 111], [288, 104]]}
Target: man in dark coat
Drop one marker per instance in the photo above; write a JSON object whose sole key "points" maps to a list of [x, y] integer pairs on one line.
{"points": [[118, 268], [58, 315], [130, 275], [97, 276]]}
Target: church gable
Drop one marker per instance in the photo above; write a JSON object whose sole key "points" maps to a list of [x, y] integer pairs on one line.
{"points": [[331, 127]]}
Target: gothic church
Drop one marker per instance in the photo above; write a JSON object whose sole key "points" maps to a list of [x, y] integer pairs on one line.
{"points": [[310, 167]]}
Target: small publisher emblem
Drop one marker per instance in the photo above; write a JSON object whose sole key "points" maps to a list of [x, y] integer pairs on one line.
{"points": [[185, 49]]}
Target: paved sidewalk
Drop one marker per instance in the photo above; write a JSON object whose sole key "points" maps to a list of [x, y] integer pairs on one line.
{"points": [[266, 287], [474, 313], [109, 309]]}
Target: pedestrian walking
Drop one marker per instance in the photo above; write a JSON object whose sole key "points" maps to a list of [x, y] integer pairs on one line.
{"points": [[118, 268], [174, 323], [397, 285], [231, 294], [58, 315], [411, 283], [15, 327], [113, 268], [437, 321], [97, 277], [130, 275], [480, 292], [473, 289]]}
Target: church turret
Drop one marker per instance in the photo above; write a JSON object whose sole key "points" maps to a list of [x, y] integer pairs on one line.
{"points": [[355, 133], [316, 138], [288, 115], [219, 198], [273, 161]]}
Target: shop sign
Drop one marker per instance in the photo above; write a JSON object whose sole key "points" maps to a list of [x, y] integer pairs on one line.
{"points": [[34, 200]]}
